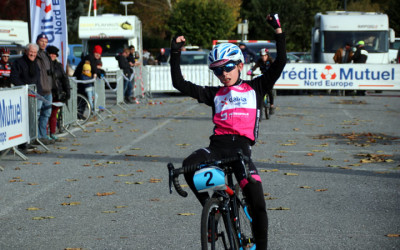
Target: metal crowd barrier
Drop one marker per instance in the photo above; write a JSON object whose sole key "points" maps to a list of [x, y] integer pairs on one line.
{"points": [[33, 119], [100, 98], [69, 111]]}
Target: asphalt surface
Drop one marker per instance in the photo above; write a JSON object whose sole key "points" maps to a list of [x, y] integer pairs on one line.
{"points": [[331, 162]]}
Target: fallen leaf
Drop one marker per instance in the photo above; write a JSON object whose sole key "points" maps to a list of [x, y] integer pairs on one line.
{"points": [[392, 235], [291, 174], [57, 163], [121, 206], [33, 208], [186, 214], [306, 187], [321, 190], [155, 199], [122, 175], [43, 218], [70, 203], [296, 163], [32, 184], [154, 180], [105, 194], [70, 180], [279, 208], [327, 159], [309, 154]]}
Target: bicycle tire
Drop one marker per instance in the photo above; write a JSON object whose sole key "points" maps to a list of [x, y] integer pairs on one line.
{"points": [[84, 109], [246, 239], [211, 216], [266, 106], [60, 127]]}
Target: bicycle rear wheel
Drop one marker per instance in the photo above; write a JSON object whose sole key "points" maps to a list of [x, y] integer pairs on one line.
{"points": [[246, 240], [266, 106], [84, 109], [214, 228]]}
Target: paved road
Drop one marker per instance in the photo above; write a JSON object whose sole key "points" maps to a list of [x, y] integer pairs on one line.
{"points": [[107, 188]]}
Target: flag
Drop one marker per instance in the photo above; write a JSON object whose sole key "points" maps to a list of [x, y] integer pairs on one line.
{"points": [[49, 17]]}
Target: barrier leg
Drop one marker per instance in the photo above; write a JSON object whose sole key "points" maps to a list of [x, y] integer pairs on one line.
{"points": [[41, 144], [17, 152]]}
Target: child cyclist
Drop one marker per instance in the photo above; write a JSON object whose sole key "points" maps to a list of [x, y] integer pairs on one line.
{"points": [[264, 62], [236, 110]]}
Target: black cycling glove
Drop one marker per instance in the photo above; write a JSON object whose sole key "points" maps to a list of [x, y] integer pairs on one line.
{"points": [[176, 47], [274, 22]]}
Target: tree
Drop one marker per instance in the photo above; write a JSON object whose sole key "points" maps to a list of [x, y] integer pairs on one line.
{"points": [[75, 9], [297, 18], [392, 9], [203, 21]]}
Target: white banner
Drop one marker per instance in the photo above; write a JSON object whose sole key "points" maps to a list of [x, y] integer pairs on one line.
{"points": [[14, 117], [340, 76], [49, 17]]}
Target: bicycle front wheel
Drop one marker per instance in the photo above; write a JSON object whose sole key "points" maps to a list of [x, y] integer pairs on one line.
{"points": [[216, 229], [84, 109]]}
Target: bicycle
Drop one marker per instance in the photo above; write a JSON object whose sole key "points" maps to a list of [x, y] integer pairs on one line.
{"points": [[226, 221], [84, 109]]}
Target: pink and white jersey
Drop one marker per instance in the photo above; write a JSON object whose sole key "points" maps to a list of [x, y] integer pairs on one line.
{"points": [[236, 111]]}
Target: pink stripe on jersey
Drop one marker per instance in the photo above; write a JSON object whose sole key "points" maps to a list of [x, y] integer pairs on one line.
{"points": [[244, 182]]}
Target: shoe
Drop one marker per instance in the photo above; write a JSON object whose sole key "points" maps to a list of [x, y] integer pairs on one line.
{"points": [[52, 136], [272, 110], [128, 100]]}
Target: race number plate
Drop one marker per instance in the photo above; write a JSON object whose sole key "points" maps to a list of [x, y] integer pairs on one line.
{"points": [[208, 179]]}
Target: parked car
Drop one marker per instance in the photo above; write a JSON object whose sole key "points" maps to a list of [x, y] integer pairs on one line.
{"points": [[256, 47], [194, 57], [74, 55], [291, 58], [304, 57]]}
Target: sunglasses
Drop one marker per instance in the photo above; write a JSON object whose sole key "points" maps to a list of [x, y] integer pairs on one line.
{"points": [[227, 68]]}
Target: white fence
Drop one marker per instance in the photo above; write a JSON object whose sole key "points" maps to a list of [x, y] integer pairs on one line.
{"points": [[294, 76]]}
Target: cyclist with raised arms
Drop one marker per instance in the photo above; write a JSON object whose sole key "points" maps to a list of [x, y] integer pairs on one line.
{"points": [[236, 110]]}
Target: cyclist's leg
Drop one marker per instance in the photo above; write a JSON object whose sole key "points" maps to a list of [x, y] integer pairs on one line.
{"points": [[198, 156], [255, 197], [271, 101]]}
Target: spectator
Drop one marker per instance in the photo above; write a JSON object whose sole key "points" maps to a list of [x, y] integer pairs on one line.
{"points": [[361, 54], [26, 71], [398, 56], [343, 55], [44, 89], [146, 56], [123, 64], [248, 54], [61, 90], [162, 58], [133, 57], [94, 59], [5, 68], [264, 62], [86, 89]]}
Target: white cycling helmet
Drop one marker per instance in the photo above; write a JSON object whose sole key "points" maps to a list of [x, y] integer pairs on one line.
{"points": [[223, 53]]}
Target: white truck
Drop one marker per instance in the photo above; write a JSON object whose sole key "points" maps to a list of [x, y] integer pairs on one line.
{"points": [[334, 28], [113, 33], [14, 34]]}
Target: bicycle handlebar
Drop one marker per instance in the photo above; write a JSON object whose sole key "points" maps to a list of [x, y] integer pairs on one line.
{"points": [[174, 173]]}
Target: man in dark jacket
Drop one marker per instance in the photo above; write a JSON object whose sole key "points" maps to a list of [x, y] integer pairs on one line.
{"points": [[127, 71], [25, 69], [95, 60], [361, 54]]}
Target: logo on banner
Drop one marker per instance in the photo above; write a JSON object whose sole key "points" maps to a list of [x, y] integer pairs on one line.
{"points": [[47, 8], [327, 73]]}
